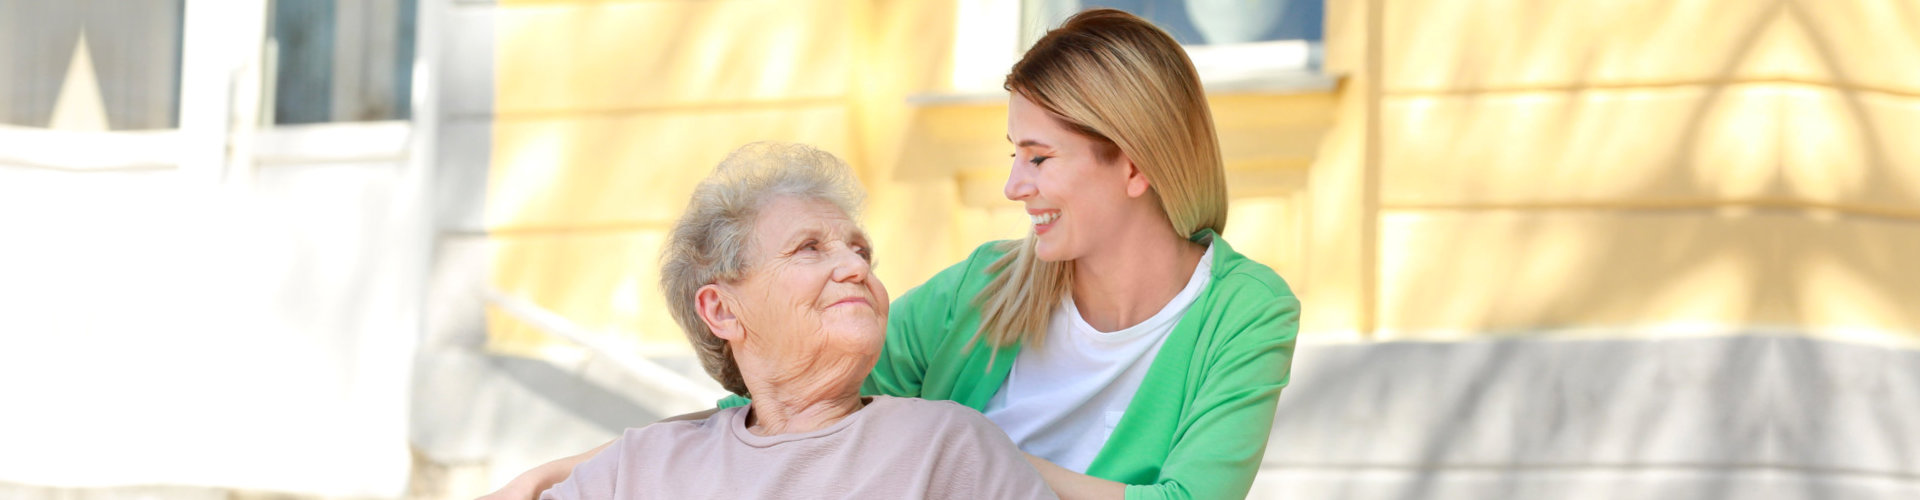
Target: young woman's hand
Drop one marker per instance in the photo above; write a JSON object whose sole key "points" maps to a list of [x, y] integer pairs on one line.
{"points": [[1070, 485], [528, 485]]}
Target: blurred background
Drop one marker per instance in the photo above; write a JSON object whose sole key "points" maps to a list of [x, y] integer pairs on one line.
{"points": [[407, 248]]}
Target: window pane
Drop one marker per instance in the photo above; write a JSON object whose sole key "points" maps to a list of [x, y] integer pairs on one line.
{"points": [[300, 47], [129, 76], [341, 60], [1206, 22]]}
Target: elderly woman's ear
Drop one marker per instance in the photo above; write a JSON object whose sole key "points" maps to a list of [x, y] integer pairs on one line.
{"points": [[717, 309]]}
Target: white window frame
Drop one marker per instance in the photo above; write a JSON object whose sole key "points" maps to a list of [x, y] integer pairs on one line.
{"points": [[219, 138]]}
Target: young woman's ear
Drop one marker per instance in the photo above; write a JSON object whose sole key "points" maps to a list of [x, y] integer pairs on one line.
{"points": [[716, 308], [1137, 184]]}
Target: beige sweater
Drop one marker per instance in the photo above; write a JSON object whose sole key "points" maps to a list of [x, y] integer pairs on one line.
{"points": [[892, 448]]}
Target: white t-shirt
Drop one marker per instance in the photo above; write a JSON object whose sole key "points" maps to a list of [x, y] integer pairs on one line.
{"points": [[1061, 401]]}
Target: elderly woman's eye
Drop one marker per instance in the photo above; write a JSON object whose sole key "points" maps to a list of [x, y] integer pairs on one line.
{"points": [[865, 253]]}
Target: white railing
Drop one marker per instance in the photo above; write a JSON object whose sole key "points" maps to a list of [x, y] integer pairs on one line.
{"points": [[679, 394]]}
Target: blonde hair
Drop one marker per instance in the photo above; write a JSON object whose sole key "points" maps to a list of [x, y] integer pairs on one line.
{"points": [[1121, 81], [710, 242]]}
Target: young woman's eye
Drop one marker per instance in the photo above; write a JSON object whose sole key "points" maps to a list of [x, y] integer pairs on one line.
{"points": [[1037, 159]]}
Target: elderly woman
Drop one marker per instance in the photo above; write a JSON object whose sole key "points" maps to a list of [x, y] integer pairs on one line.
{"points": [[770, 277]]}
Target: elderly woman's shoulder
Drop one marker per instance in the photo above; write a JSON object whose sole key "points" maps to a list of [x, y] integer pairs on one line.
{"points": [[935, 412], [681, 428], [946, 427]]}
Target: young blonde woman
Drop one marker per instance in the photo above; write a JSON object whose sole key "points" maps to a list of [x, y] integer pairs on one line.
{"points": [[1123, 344]]}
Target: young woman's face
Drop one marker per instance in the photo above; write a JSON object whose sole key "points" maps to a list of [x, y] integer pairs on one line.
{"points": [[1074, 200]]}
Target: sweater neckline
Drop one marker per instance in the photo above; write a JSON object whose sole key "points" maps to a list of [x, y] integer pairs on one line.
{"points": [[737, 425]]}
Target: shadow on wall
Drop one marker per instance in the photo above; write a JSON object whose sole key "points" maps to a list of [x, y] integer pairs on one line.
{"points": [[1635, 185], [608, 114]]}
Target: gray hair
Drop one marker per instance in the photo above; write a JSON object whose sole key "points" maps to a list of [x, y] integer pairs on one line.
{"points": [[710, 242]]}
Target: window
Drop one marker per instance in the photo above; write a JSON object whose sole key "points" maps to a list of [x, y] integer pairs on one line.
{"points": [[1230, 41], [90, 64], [1198, 22], [339, 61]]}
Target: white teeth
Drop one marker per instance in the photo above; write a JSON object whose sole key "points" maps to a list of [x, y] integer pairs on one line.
{"points": [[1046, 218]]}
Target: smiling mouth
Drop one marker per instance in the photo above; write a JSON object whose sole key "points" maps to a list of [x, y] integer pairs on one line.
{"points": [[851, 300], [1042, 222]]}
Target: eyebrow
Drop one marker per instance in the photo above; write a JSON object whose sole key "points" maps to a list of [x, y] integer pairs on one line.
{"points": [[820, 233], [1028, 142], [812, 232]]}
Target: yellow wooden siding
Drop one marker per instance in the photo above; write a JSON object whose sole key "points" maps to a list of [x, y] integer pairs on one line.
{"points": [[606, 282], [1612, 146], [1335, 284], [1858, 150], [1453, 275], [1853, 278], [618, 169], [1637, 168], [1861, 43], [613, 56], [1454, 45], [1448, 275], [608, 113]]}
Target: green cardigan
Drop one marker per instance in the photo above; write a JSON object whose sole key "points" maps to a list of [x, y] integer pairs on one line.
{"points": [[1197, 427]]}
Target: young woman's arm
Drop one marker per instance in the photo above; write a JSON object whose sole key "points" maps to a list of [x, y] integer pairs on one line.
{"points": [[915, 324], [1220, 452], [529, 484], [1070, 485]]}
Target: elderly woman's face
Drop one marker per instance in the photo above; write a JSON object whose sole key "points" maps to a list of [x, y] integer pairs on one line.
{"points": [[809, 295]]}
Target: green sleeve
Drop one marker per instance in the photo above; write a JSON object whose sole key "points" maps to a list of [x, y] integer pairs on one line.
{"points": [[915, 322], [1223, 444]]}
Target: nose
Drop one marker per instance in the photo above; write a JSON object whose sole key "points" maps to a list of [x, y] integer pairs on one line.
{"points": [[1019, 182], [850, 267]]}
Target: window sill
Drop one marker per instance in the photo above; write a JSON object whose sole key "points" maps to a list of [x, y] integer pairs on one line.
{"points": [[337, 142], [89, 151]]}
